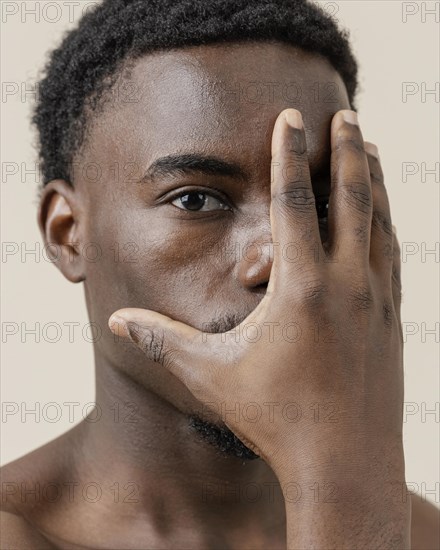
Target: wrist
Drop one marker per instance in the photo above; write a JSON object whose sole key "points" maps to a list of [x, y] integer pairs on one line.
{"points": [[339, 456], [327, 507], [353, 475]]}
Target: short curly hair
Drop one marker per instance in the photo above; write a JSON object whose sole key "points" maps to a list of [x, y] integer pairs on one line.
{"points": [[90, 57]]}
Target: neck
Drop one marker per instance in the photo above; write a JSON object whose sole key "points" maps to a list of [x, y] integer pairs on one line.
{"points": [[144, 444]]}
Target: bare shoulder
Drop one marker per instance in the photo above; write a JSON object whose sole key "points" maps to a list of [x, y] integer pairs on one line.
{"points": [[21, 478], [425, 525], [18, 534], [21, 504]]}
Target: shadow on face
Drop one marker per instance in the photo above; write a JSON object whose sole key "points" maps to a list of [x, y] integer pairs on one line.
{"points": [[173, 186]]}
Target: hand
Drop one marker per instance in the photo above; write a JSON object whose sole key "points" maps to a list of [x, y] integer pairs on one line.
{"points": [[329, 323]]}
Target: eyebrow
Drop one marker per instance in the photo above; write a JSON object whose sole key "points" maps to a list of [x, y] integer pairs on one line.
{"points": [[189, 163]]}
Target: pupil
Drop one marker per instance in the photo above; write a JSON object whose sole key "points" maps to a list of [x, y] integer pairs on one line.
{"points": [[322, 209], [193, 201]]}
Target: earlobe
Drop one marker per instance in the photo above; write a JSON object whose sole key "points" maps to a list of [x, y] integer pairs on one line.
{"points": [[58, 219]]}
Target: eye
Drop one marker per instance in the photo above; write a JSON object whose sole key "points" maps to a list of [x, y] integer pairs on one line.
{"points": [[322, 208], [195, 201]]}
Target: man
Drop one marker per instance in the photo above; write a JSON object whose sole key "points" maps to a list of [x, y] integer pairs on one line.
{"points": [[195, 145]]}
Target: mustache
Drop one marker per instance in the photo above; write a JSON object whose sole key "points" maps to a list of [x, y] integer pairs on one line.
{"points": [[225, 322]]}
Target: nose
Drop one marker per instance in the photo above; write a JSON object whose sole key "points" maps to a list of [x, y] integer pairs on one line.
{"points": [[256, 258]]}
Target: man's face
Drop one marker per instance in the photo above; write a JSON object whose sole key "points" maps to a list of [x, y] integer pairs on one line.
{"points": [[189, 243]]}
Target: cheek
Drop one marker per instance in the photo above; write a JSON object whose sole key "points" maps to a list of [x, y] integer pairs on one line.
{"points": [[157, 262], [179, 264]]}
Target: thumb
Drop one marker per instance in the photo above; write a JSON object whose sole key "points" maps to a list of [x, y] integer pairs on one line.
{"points": [[181, 349]]}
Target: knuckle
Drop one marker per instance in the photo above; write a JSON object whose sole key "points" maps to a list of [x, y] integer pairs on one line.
{"points": [[388, 313], [169, 358], [382, 222], [295, 172], [360, 297], [357, 195], [298, 198], [156, 347], [377, 178], [361, 234], [151, 342], [135, 331], [314, 294], [387, 252], [346, 141]]}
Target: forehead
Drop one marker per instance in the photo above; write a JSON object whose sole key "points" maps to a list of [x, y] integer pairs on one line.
{"points": [[218, 98]]}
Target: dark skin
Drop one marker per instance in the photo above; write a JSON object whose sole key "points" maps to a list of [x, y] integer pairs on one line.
{"points": [[175, 269]]}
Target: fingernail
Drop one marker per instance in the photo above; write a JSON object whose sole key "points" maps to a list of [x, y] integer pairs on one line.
{"points": [[394, 230], [294, 119], [371, 149], [119, 325], [350, 117]]}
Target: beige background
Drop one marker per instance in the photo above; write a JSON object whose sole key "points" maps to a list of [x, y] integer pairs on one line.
{"points": [[46, 375]]}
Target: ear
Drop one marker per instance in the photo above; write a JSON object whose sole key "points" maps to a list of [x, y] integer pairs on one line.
{"points": [[58, 220]]}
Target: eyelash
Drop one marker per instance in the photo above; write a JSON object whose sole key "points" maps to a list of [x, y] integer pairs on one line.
{"points": [[319, 200], [202, 191]]}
